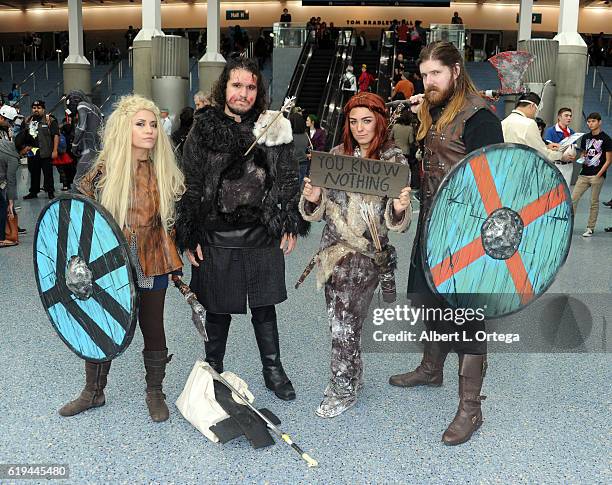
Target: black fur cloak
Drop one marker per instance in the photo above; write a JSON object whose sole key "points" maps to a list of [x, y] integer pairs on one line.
{"points": [[213, 153]]}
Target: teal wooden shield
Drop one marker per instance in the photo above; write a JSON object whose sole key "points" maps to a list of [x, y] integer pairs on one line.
{"points": [[85, 277], [498, 230]]}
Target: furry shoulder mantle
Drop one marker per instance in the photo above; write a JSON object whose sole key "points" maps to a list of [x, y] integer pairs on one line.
{"points": [[279, 131], [219, 132]]}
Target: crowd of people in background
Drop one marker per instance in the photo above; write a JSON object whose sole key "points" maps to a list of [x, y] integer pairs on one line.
{"points": [[52, 138], [322, 34]]}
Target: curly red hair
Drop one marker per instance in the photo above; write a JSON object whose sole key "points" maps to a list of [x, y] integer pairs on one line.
{"points": [[376, 105]]}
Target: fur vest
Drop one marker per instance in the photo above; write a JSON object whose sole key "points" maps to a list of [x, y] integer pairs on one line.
{"points": [[345, 230], [213, 159]]}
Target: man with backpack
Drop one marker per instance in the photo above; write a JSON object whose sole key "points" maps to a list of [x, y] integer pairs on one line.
{"points": [[349, 82], [45, 131]]}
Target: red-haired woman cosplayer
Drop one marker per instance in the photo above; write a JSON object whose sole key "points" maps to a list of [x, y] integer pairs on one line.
{"points": [[345, 261]]}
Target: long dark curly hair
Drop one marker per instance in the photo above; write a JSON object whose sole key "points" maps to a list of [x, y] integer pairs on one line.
{"points": [[250, 65]]}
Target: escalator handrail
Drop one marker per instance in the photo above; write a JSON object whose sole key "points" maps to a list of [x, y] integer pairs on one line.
{"points": [[297, 79], [32, 74], [383, 87], [104, 76], [334, 76], [335, 118]]}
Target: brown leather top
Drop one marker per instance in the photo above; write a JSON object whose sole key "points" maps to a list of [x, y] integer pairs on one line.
{"points": [[157, 252], [446, 149]]}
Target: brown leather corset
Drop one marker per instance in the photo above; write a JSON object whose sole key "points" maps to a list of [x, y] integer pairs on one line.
{"points": [[157, 252], [444, 150]]}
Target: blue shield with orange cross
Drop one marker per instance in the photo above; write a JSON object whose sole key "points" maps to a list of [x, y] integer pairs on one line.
{"points": [[498, 231]]}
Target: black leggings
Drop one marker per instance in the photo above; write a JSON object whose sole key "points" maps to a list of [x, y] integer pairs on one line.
{"points": [[151, 318], [258, 315]]}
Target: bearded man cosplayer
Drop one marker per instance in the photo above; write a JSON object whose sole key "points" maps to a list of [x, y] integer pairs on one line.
{"points": [[239, 214]]}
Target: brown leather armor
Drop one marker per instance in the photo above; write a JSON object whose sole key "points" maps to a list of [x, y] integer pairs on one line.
{"points": [[444, 150], [157, 252]]}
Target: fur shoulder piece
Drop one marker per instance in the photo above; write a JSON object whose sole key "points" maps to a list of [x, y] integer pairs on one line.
{"points": [[216, 131], [280, 132]]}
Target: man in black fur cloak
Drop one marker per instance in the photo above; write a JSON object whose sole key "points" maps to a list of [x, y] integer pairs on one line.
{"points": [[238, 217]]}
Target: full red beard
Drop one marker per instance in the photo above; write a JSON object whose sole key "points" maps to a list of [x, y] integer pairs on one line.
{"points": [[435, 97]]}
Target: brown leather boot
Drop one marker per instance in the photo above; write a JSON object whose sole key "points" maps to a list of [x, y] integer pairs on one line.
{"points": [[472, 369], [92, 396], [155, 364], [429, 373]]}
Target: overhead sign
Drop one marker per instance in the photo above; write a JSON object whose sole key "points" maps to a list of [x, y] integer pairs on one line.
{"points": [[236, 15], [376, 3], [354, 174], [536, 18]]}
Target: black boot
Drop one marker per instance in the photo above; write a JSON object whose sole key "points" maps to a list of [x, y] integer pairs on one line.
{"points": [[472, 370], [429, 373], [217, 328], [155, 365], [93, 394], [266, 333]]}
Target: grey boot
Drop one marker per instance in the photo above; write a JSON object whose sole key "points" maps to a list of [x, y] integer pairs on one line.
{"points": [[340, 395], [92, 396], [155, 365]]}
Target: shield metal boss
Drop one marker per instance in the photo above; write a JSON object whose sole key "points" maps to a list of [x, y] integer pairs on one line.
{"points": [[498, 230], [85, 277]]}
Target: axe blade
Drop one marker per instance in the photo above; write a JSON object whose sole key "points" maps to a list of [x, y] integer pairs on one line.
{"points": [[511, 67]]}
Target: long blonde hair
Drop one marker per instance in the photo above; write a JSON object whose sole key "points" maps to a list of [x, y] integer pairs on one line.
{"points": [[449, 56], [115, 187]]}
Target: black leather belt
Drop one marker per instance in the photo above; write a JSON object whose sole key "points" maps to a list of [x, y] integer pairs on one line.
{"points": [[249, 237], [562, 163]]}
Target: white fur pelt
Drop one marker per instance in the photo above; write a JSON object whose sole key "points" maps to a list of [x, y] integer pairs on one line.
{"points": [[279, 133]]}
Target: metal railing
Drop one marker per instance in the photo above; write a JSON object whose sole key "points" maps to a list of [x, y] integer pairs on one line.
{"points": [[193, 64], [297, 79], [58, 87], [108, 98], [603, 88], [386, 67], [106, 81], [331, 111], [56, 105], [32, 75]]}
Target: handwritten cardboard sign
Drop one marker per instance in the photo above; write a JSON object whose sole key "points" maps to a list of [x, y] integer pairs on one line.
{"points": [[363, 175]]}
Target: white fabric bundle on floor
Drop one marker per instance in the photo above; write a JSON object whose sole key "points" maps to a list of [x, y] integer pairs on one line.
{"points": [[197, 402]]}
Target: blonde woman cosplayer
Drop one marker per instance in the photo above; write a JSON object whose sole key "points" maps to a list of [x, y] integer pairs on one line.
{"points": [[137, 180], [116, 184]]}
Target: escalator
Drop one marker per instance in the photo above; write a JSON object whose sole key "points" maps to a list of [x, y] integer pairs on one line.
{"points": [[309, 97]]}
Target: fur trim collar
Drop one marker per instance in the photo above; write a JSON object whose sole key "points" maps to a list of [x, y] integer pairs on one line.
{"points": [[280, 132], [220, 133]]}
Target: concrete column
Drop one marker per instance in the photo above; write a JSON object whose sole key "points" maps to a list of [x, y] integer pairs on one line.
{"points": [[141, 49], [77, 71], [525, 13], [212, 63], [571, 63]]}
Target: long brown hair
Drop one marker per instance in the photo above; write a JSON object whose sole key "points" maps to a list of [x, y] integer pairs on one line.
{"points": [[449, 56], [376, 105]]}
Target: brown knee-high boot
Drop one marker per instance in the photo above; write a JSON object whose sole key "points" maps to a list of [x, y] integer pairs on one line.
{"points": [[429, 373], [155, 365], [472, 369], [92, 396]]}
